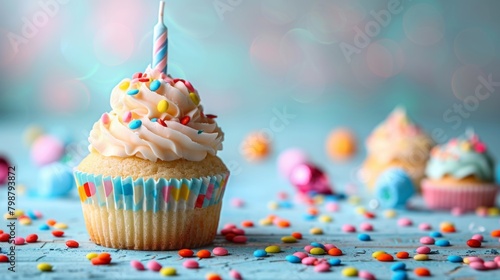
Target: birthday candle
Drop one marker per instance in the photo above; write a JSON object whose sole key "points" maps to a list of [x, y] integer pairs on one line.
{"points": [[160, 43]]}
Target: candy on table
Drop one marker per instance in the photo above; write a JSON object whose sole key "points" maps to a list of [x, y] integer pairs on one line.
{"points": [[203, 254], [364, 237], [260, 253], [316, 231], [45, 267], [341, 144], [427, 240], [168, 271], [366, 226], [191, 264], [220, 251], [390, 213], [455, 259], [154, 265], [309, 260], [317, 251], [288, 239], [19, 241], [293, 259], [398, 266], [4, 170], [423, 250], [348, 228], [402, 255], [424, 226], [405, 222], [363, 274], [422, 271], [385, 257], [421, 257], [213, 276], [235, 274], [136, 265], [473, 243], [256, 147], [32, 238], [290, 158], [57, 233], [394, 188], [247, 224], [350, 271], [273, 249], [72, 244], [322, 267], [478, 237], [377, 253], [4, 258], [310, 179], [442, 243], [91, 255]]}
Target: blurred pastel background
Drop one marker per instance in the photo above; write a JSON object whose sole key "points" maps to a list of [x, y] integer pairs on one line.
{"points": [[307, 66]]}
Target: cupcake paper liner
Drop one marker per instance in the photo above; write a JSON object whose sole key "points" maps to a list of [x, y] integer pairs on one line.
{"points": [[467, 197]]}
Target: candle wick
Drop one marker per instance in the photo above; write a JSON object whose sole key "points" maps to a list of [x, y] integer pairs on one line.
{"points": [[160, 14]]}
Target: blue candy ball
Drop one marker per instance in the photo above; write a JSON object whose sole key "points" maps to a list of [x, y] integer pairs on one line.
{"points": [[399, 275], [393, 188], [55, 180], [259, 253], [334, 262], [398, 266], [442, 243], [455, 259], [292, 259], [364, 237]]}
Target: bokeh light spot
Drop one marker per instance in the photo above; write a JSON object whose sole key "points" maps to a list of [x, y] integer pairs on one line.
{"points": [[265, 53], [385, 58], [280, 11], [200, 19], [423, 24], [473, 47], [65, 97], [114, 44], [465, 80], [324, 20]]}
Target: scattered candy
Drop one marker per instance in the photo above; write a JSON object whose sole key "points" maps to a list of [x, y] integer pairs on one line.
{"points": [[57, 233], [424, 226], [495, 233], [364, 237], [301, 255], [316, 231], [366, 227], [322, 267], [191, 264], [398, 266], [168, 271], [427, 240], [51, 222], [422, 271], [90, 256], [292, 259], [137, 265], [473, 243], [325, 219], [442, 243], [350, 272], [32, 238], [60, 226], [4, 258], [213, 276], [363, 274], [423, 250], [133, 92], [389, 214], [308, 260], [435, 234], [385, 257], [185, 253], [490, 265], [335, 252], [260, 253], [135, 124], [19, 241], [420, 257], [405, 222], [377, 253], [455, 259], [399, 275], [235, 274], [348, 228], [273, 249], [44, 267], [154, 265], [72, 244], [219, 251], [154, 85], [334, 262], [317, 251], [203, 254], [240, 239], [288, 239], [478, 237]]}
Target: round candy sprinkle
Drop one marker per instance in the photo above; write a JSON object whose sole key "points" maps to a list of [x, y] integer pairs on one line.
{"points": [[195, 98], [385, 257], [162, 106], [420, 257], [213, 276], [363, 274], [495, 233], [25, 221], [135, 124], [377, 253], [32, 238], [322, 267], [297, 235], [43, 227], [350, 272], [247, 224], [133, 92], [472, 259], [60, 226], [364, 237], [168, 271], [185, 120], [235, 274], [478, 237], [51, 222], [405, 222], [308, 260], [155, 85], [57, 233], [334, 262], [260, 253], [422, 271], [44, 267], [317, 251], [292, 259], [435, 234], [389, 214], [240, 239], [366, 226], [191, 264], [325, 219], [219, 251], [491, 265], [4, 237], [203, 254], [423, 250], [127, 116], [124, 85], [424, 226], [427, 240], [288, 239], [442, 243], [4, 258], [92, 255], [399, 275], [273, 249], [136, 264], [185, 253], [473, 243], [72, 244], [316, 244], [328, 246], [455, 259], [316, 231], [19, 241], [398, 266], [301, 255], [335, 252], [308, 248], [348, 228], [154, 265], [105, 118]]}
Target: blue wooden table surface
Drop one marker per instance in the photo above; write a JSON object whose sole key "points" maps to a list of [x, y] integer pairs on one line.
{"points": [[387, 235]]}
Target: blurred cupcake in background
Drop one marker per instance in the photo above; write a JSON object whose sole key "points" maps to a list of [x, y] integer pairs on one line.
{"points": [[460, 173], [397, 142]]}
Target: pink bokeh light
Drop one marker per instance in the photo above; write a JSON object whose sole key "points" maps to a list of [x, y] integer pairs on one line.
{"points": [[114, 44], [423, 24], [473, 47], [265, 53], [465, 80], [64, 96], [385, 58]]}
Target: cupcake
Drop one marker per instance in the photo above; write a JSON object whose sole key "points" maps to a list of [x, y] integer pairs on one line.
{"points": [[397, 142], [460, 173], [152, 180]]}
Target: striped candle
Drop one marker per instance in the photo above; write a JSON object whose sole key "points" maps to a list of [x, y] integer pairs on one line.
{"points": [[160, 43]]}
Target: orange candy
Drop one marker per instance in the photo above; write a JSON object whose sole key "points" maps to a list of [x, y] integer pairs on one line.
{"points": [[402, 255], [495, 233], [313, 211], [422, 271], [186, 253], [101, 259], [297, 235], [51, 222], [283, 223], [247, 224], [203, 254], [57, 233], [335, 252], [385, 258]]}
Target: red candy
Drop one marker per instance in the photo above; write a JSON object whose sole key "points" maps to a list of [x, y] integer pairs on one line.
{"points": [[4, 258], [186, 253], [385, 258], [203, 254], [240, 239], [57, 233], [32, 238], [137, 75], [297, 235], [247, 224], [402, 255], [422, 271], [211, 116], [473, 243], [185, 120], [4, 237], [72, 244], [162, 122]]}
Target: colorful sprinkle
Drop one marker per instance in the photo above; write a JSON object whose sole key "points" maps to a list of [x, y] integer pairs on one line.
{"points": [[424, 226], [435, 234], [44, 267], [213, 276], [247, 224], [309, 260], [473, 243], [348, 228], [135, 124], [195, 98], [162, 106], [478, 237], [133, 92], [126, 117], [124, 85], [32, 238], [92, 255], [325, 219], [136, 264], [399, 275], [350, 272], [168, 271], [4, 237], [260, 253], [105, 118], [61, 226], [366, 227], [4, 258], [72, 244], [273, 249], [155, 85], [203, 254], [240, 239], [191, 264], [363, 274], [405, 222], [219, 251], [292, 259]]}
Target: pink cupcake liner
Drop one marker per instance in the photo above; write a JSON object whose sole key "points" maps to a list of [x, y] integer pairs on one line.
{"points": [[468, 197]]}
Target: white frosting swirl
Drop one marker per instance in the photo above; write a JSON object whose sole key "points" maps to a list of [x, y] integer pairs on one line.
{"points": [[151, 140]]}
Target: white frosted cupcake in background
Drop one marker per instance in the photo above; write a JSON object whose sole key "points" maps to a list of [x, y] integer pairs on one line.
{"points": [[399, 143], [152, 180], [460, 173]]}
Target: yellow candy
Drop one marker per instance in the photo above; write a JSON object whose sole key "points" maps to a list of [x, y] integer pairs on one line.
{"points": [[350, 271], [465, 146], [162, 106], [91, 255], [316, 231], [317, 251], [325, 219], [168, 271], [61, 226], [421, 257], [360, 210], [319, 199], [377, 253], [466, 260], [390, 214], [44, 267], [195, 98], [18, 212], [354, 200], [273, 205], [124, 85], [25, 221], [288, 239], [265, 222], [493, 211], [273, 249]]}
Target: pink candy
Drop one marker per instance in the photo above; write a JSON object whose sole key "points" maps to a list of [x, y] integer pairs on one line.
{"points": [[240, 239], [348, 228], [46, 149], [423, 250], [309, 260], [220, 251], [191, 264], [154, 265], [290, 158], [363, 274], [19, 241], [366, 226], [237, 202], [405, 222], [491, 265], [322, 267], [477, 266], [427, 240], [475, 259], [329, 246], [477, 237], [332, 207], [308, 248], [235, 275], [238, 231], [300, 255], [137, 265], [424, 226]]}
